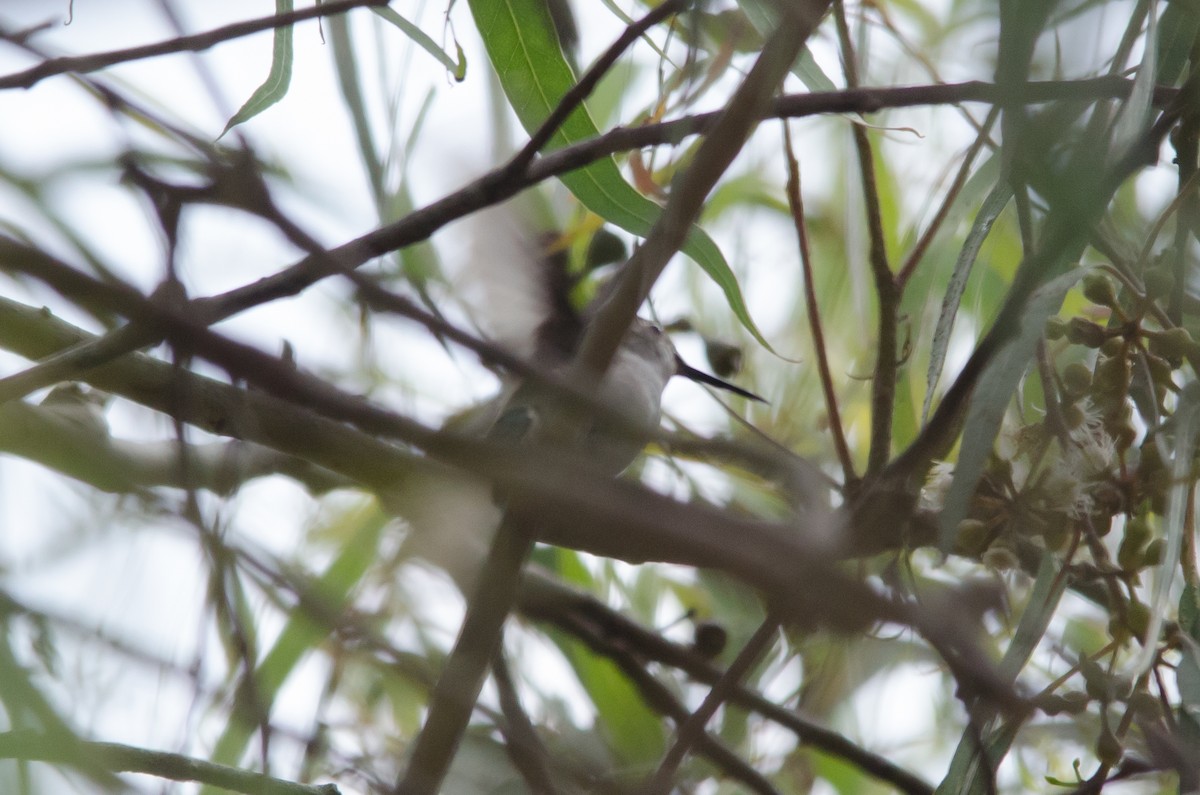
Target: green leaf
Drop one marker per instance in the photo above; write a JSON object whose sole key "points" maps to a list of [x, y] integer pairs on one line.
{"points": [[764, 19], [1178, 28], [523, 47], [993, 205], [456, 65], [990, 399], [363, 528], [634, 731], [967, 773], [275, 87]]}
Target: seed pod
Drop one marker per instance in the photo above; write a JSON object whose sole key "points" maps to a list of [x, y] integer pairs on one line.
{"points": [[1000, 559], [1077, 377], [1051, 703], [726, 359], [709, 638], [1108, 747], [1055, 327], [1085, 332], [1099, 289], [1172, 344], [1153, 554], [1113, 346], [972, 536], [1076, 701]]}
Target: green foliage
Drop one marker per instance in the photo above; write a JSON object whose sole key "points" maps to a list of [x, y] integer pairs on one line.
{"points": [[1010, 602]]}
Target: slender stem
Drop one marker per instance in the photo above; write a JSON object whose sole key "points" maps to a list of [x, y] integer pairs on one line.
{"points": [[796, 203], [419, 225], [81, 64], [580, 91], [478, 643], [918, 251], [689, 190], [691, 729], [525, 748], [887, 289]]}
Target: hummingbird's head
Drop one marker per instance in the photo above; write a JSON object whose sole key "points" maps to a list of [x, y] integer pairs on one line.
{"points": [[648, 341]]}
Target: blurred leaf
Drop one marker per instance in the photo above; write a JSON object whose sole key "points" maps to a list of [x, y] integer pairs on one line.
{"points": [[302, 633], [636, 733], [990, 399], [521, 42], [275, 87], [1134, 116], [762, 17], [968, 774], [993, 205], [457, 65], [1177, 32]]}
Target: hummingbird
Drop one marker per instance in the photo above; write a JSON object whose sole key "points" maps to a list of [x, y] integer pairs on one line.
{"points": [[486, 553], [452, 515]]}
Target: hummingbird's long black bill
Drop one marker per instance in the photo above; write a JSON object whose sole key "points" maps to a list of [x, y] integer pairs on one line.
{"points": [[687, 371]]}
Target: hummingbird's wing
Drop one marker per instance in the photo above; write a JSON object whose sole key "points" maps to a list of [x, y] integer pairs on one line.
{"points": [[516, 286]]}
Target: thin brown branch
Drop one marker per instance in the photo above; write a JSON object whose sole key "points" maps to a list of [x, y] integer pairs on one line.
{"points": [[796, 204], [198, 42], [612, 635], [690, 730], [611, 518], [587, 84], [960, 179], [887, 288], [466, 667], [659, 698], [728, 135], [525, 748], [490, 189], [54, 439]]}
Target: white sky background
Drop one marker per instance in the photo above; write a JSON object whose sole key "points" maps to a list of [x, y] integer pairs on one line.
{"points": [[56, 561]]}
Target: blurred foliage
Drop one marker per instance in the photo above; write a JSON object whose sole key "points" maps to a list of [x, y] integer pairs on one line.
{"points": [[1062, 487]]}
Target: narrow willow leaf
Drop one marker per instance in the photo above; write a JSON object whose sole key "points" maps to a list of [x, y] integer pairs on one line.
{"points": [[456, 65], [990, 399], [764, 19], [1188, 673], [1175, 521], [989, 211], [1178, 28], [524, 49], [967, 774], [362, 529], [1135, 112], [275, 87], [633, 729]]}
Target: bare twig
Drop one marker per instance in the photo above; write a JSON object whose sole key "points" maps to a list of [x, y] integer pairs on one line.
{"points": [[691, 729], [922, 245], [615, 636], [796, 204], [198, 42], [726, 138], [525, 748], [887, 288], [586, 84], [489, 189]]}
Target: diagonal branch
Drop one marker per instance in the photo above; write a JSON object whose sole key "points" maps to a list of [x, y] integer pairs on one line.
{"points": [[489, 189], [198, 42]]}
